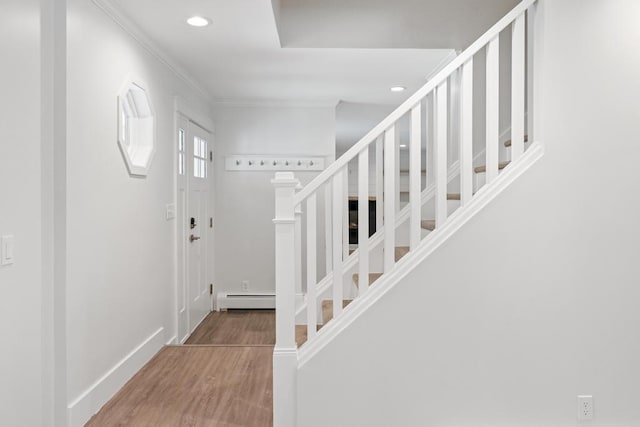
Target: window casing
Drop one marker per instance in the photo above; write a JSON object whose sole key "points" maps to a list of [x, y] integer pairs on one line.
{"points": [[136, 127]]}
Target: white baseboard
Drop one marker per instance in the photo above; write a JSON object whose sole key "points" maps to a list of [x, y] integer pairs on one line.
{"points": [[82, 408]]}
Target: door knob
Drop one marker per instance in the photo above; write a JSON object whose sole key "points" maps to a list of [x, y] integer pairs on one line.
{"points": [[192, 238]]}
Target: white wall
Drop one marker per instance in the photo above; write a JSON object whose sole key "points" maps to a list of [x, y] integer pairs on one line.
{"points": [[535, 300], [355, 119], [244, 232], [120, 289], [20, 284]]}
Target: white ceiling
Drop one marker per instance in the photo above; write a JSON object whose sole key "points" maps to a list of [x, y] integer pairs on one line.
{"points": [[240, 58], [314, 51], [424, 24]]}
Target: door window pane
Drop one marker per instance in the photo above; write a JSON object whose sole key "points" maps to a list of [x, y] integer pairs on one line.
{"points": [[199, 158]]}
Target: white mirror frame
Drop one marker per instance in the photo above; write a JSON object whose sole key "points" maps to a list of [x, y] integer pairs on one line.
{"points": [[136, 129]]}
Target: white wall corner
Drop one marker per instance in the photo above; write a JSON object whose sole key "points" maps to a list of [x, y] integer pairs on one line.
{"points": [[201, 118], [83, 407]]}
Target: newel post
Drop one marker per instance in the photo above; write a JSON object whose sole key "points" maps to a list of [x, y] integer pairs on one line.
{"points": [[285, 353]]}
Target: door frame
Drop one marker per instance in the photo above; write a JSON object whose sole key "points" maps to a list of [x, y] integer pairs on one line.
{"points": [[184, 113]]}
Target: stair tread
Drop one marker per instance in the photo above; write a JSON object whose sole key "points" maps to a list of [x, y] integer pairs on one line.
{"points": [[372, 278], [428, 224], [327, 314], [507, 143], [483, 168], [401, 251], [327, 309]]}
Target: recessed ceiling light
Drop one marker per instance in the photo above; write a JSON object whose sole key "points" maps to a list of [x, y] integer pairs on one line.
{"points": [[403, 145], [198, 21], [398, 88]]}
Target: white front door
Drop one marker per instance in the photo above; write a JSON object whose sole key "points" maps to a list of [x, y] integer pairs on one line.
{"points": [[195, 224]]}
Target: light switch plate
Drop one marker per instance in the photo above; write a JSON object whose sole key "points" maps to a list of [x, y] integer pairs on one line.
{"points": [[6, 249], [171, 211]]}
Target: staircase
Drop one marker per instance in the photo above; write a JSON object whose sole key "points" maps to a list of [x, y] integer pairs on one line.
{"points": [[313, 256]]}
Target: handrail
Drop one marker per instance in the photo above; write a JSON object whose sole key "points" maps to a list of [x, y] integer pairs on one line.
{"points": [[404, 108], [452, 113]]}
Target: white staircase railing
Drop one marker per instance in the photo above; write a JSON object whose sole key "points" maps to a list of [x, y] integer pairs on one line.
{"points": [[444, 108]]}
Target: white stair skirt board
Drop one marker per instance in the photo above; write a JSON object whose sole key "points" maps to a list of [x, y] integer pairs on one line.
{"points": [[248, 300], [83, 407], [407, 263]]}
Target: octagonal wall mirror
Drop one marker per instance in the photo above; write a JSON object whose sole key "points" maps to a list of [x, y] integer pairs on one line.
{"points": [[136, 127]]}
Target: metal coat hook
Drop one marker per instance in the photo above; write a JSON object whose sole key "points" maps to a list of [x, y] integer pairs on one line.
{"points": [[275, 162]]}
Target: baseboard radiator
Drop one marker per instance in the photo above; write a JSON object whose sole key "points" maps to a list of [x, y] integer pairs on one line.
{"points": [[246, 301]]}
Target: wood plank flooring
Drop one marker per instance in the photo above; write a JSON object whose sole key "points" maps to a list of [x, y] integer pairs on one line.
{"points": [[240, 327], [236, 327], [196, 386], [221, 377]]}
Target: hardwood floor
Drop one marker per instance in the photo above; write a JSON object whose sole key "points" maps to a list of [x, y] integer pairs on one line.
{"points": [[221, 377], [196, 386], [240, 327], [236, 327]]}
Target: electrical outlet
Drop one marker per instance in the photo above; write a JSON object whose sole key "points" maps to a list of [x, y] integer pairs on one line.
{"points": [[245, 286], [585, 408]]}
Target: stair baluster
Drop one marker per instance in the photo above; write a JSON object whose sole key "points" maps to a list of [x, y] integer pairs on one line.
{"points": [[415, 168], [440, 154], [363, 219], [517, 88], [338, 276], [389, 199], [446, 105], [466, 134], [312, 277], [493, 109], [379, 182]]}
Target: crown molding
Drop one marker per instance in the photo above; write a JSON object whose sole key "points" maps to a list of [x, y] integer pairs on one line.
{"points": [[113, 12], [332, 103]]}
